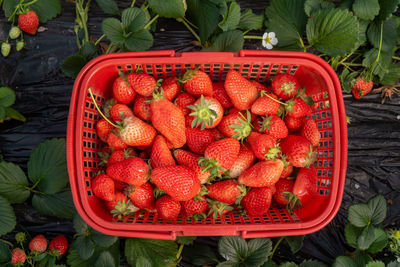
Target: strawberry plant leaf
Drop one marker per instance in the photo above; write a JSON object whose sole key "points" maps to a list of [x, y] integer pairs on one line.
{"points": [[259, 250], [352, 233], [13, 183], [113, 29], [393, 264], [133, 19], [377, 205], [288, 20], [251, 21], [233, 248], [88, 50], [347, 79], [361, 258], [229, 264], [9, 6], [168, 8], [389, 35], [105, 259], [344, 261], [11, 113], [375, 264], [366, 9], [47, 166], [387, 8], [84, 246], [79, 225], [231, 41], [7, 96], [333, 31], [185, 240], [73, 258], [103, 240], [379, 242], [2, 113], [160, 252], [231, 19], [359, 215], [382, 66], [5, 252], [205, 14], [311, 263], [72, 65], [108, 6], [362, 31], [7, 218], [287, 264], [392, 76], [46, 9], [139, 41], [58, 205], [366, 238], [310, 6], [142, 262], [199, 254], [295, 243]]}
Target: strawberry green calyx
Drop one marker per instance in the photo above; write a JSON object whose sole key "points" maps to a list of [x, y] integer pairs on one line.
{"points": [[203, 114], [158, 192], [199, 217], [311, 157], [265, 123], [217, 208], [123, 209], [212, 166], [293, 202], [104, 157], [187, 76], [273, 153], [203, 192], [243, 192], [243, 129], [158, 94]]}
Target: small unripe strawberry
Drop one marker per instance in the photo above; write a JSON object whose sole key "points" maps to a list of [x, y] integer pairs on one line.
{"points": [[14, 32], [18, 256], [5, 49], [20, 45], [38, 243], [20, 237]]}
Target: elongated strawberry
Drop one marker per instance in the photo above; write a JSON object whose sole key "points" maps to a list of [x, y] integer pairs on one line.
{"points": [[28, 22], [257, 201], [169, 120], [264, 146], [293, 124], [191, 160], [141, 108], [180, 182], [220, 156], [123, 92], [217, 209], [121, 205], [207, 111], [263, 173], [298, 150], [160, 154], [194, 208], [198, 140], [120, 111], [168, 208], [132, 171], [103, 129], [115, 142], [283, 186], [141, 196], [285, 86], [274, 126], [170, 88], [103, 187], [228, 191], [297, 108], [361, 87], [135, 132], [261, 87], [143, 84], [240, 90], [220, 94], [266, 104], [304, 188], [197, 83], [183, 100], [310, 132], [236, 125], [244, 160]]}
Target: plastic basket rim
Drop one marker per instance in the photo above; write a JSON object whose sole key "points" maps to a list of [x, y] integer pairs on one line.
{"points": [[168, 234]]}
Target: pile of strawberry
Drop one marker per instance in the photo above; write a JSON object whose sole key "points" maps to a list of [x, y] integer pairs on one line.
{"points": [[207, 149]]}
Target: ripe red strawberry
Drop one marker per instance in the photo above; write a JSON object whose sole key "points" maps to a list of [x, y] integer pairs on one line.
{"points": [[59, 245], [160, 154], [298, 150], [263, 145], [18, 257], [293, 124], [120, 186], [361, 87], [228, 191], [120, 111], [297, 108], [285, 86], [107, 106], [121, 205], [103, 187], [168, 208], [28, 22], [220, 156], [310, 132], [191, 160], [198, 140], [38, 243], [135, 132], [220, 94], [141, 196], [287, 168], [236, 125], [183, 100], [103, 129], [261, 87], [217, 134], [133, 171], [304, 188], [180, 182], [282, 187], [240, 90], [169, 120], [194, 208], [120, 155], [170, 88], [197, 83], [115, 142], [123, 92], [141, 108], [142, 83], [244, 160], [217, 208], [263, 173], [257, 201], [266, 104], [274, 126], [207, 111]]}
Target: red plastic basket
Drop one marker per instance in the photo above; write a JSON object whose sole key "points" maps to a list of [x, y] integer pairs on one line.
{"points": [[312, 72]]}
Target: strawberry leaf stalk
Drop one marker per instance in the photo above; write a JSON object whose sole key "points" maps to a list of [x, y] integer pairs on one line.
{"points": [[203, 114], [243, 129]]}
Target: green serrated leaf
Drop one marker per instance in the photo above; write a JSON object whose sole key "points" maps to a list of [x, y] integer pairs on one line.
{"points": [[233, 248], [250, 21], [310, 6], [168, 8], [311, 263], [366, 9], [362, 31], [105, 259], [333, 31], [344, 261], [58, 205], [47, 166], [72, 65], [346, 4], [379, 242], [352, 233], [134, 19], [84, 246], [231, 19], [143, 262], [80, 225], [347, 79], [377, 205], [5, 252], [295, 243], [73, 258], [186, 240], [113, 29], [387, 8], [382, 66], [41, 257], [359, 215], [375, 264], [204, 14], [88, 50], [199, 254], [160, 252], [13, 183], [103, 240], [46, 9], [366, 238], [11, 113], [288, 264], [259, 250], [7, 96], [108, 6], [230, 41], [139, 41], [361, 258], [228, 264], [389, 35], [9, 7], [7, 218], [392, 76]]}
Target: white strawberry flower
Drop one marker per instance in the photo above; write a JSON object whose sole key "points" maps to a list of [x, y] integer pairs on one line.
{"points": [[269, 40]]}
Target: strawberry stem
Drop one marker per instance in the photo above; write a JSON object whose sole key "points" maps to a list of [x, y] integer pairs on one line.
{"points": [[275, 247], [98, 109], [276, 100]]}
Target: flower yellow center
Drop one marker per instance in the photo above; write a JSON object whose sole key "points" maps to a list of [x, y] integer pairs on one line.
{"points": [[267, 39]]}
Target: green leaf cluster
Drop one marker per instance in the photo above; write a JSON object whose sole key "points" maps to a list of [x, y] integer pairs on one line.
{"points": [[45, 9], [7, 99]]}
